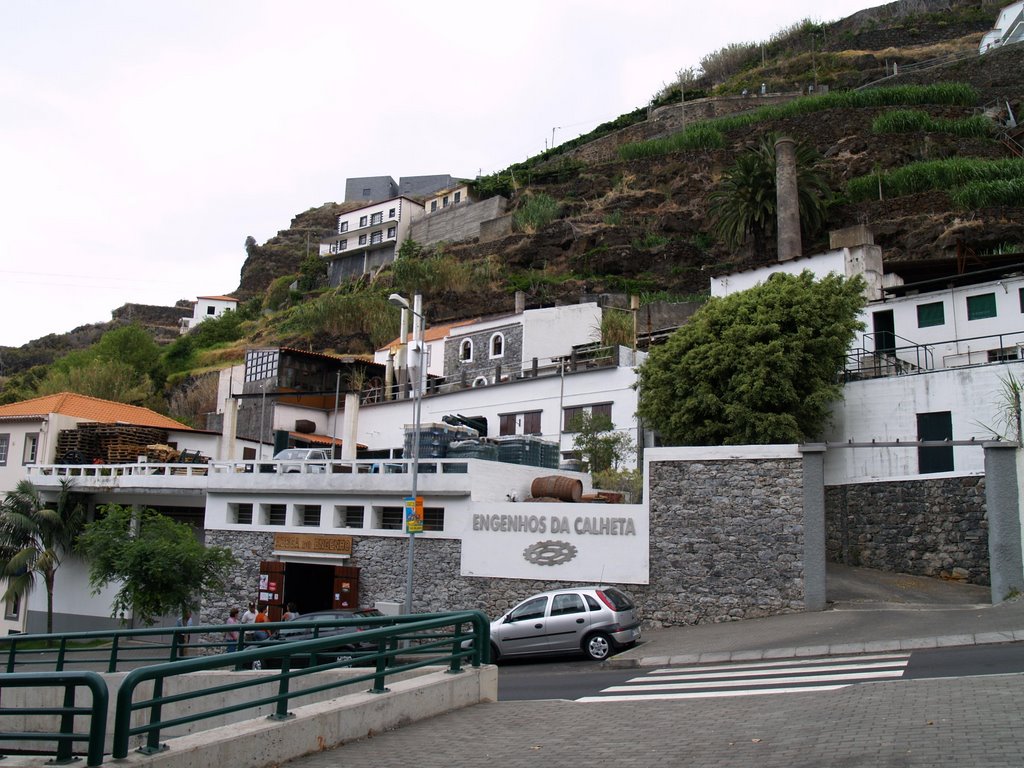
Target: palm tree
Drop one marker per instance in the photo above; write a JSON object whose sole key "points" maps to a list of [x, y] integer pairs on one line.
{"points": [[744, 203], [35, 538]]}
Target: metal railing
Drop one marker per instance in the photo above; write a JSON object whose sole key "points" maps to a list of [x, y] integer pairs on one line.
{"points": [[387, 645], [65, 736], [422, 640], [888, 359]]}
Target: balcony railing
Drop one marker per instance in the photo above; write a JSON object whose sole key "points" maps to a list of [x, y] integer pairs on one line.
{"points": [[580, 359], [887, 354]]}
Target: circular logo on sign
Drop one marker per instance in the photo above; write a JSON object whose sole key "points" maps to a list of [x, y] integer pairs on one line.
{"points": [[549, 553]]}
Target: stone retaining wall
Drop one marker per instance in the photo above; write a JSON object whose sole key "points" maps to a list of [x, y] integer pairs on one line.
{"points": [[933, 527]]}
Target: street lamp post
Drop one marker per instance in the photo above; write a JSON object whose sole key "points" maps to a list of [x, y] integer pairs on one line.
{"points": [[419, 331]]}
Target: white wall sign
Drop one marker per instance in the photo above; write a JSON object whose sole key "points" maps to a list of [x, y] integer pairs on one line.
{"points": [[571, 542]]}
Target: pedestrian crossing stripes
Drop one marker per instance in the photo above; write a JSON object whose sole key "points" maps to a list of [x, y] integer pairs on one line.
{"points": [[755, 679]]}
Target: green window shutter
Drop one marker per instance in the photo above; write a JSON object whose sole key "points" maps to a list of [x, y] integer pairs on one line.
{"points": [[981, 306], [930, 314]]}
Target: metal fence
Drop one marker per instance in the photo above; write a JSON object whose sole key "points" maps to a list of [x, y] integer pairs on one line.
{"points": [[387, 646]]}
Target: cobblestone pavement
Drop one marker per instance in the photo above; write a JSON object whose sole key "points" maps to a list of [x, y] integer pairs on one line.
{"points": [[929, 723]]}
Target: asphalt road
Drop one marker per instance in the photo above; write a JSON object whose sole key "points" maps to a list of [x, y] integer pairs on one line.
{"points": [[577, 679]]}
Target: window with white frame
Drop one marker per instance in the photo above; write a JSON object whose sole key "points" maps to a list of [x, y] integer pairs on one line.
{"points": [[572, 414], [433, 205], [349, 516], [241, 514], [981, 306], [342, 227], [31, 447], [276, 514], [392, 232], [458, 197], [391, 213], [376, 218], [5, 447], [524, 423], [433, 518], [377, 237], [466, 351], [362, 221], [497, 345], [444, 202], [389, 518], [362, 239], [310, 515]]}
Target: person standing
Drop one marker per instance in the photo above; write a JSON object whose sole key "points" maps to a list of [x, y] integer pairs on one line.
{"points": [[250, 614], [232, 636], [261, 618]]}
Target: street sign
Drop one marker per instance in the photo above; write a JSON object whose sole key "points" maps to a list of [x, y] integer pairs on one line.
{"points": [[414, 514]]}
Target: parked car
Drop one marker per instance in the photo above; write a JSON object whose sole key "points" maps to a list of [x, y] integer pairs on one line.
{"points": [[298, 459], [595, 621], [342, 651]]}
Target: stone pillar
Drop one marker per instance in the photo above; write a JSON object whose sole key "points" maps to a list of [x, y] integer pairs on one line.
{"points": [[1002, 507], [787, 204], [814, 526]]}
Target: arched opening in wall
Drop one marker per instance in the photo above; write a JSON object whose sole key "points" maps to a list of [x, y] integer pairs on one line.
{"points": [[497, 345], [480, 381], [466, 351]]}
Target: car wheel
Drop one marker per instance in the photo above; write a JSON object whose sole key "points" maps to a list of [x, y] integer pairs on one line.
{"points": [[598, 646]]}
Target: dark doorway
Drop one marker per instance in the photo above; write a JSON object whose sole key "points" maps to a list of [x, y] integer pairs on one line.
{"points": [[884, 326], [310, 587], [935, 426]]}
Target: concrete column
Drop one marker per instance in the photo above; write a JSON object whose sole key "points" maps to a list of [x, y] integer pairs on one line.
{"points": [[1002, 507], [350, 426], [814, 526], [229, 430], [787, 204]]}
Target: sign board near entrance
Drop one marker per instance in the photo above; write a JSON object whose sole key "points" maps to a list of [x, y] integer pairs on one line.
{"points": [[312, 542]]}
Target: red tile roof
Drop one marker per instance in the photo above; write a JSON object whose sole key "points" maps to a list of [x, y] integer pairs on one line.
{"points": [[90, 409], [219, 298]]}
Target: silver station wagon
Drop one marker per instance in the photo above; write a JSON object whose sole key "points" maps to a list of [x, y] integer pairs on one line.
{"points": [[596, 621]]}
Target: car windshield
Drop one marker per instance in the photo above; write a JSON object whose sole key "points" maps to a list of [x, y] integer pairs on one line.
{"points": [[292, 453]]}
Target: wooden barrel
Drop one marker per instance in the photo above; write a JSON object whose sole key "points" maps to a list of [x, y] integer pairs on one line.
{"points": [[557, 486]]}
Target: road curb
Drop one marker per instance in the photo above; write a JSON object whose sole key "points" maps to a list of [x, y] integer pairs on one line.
{"points": [[835, 649]]}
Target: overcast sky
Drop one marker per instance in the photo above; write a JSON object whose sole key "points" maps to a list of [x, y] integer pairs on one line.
{"points": [[142, 141]]}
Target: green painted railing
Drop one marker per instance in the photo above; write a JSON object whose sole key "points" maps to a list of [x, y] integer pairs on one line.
{"points": [[65, 736], [113, 650], [402, 643]]}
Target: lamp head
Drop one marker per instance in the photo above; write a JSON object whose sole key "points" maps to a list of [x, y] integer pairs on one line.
{"points": [[399, 301]]}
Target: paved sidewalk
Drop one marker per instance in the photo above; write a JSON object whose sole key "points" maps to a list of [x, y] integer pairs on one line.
{"points": [[871, 612], [947, 723]]}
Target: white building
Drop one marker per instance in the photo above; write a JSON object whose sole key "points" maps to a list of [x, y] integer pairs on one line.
{"points": [[939, 344], [206, 308], [31, 437], [368, 237], [1009, 28]]}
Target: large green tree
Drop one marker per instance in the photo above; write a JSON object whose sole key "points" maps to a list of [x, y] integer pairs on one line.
{"points": [[756, 367], [744, 204], [161, 566], [35, 537]]}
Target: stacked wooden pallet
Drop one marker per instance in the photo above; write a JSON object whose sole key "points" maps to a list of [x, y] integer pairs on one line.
{"points": [[77, 446], [161, 454]]}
